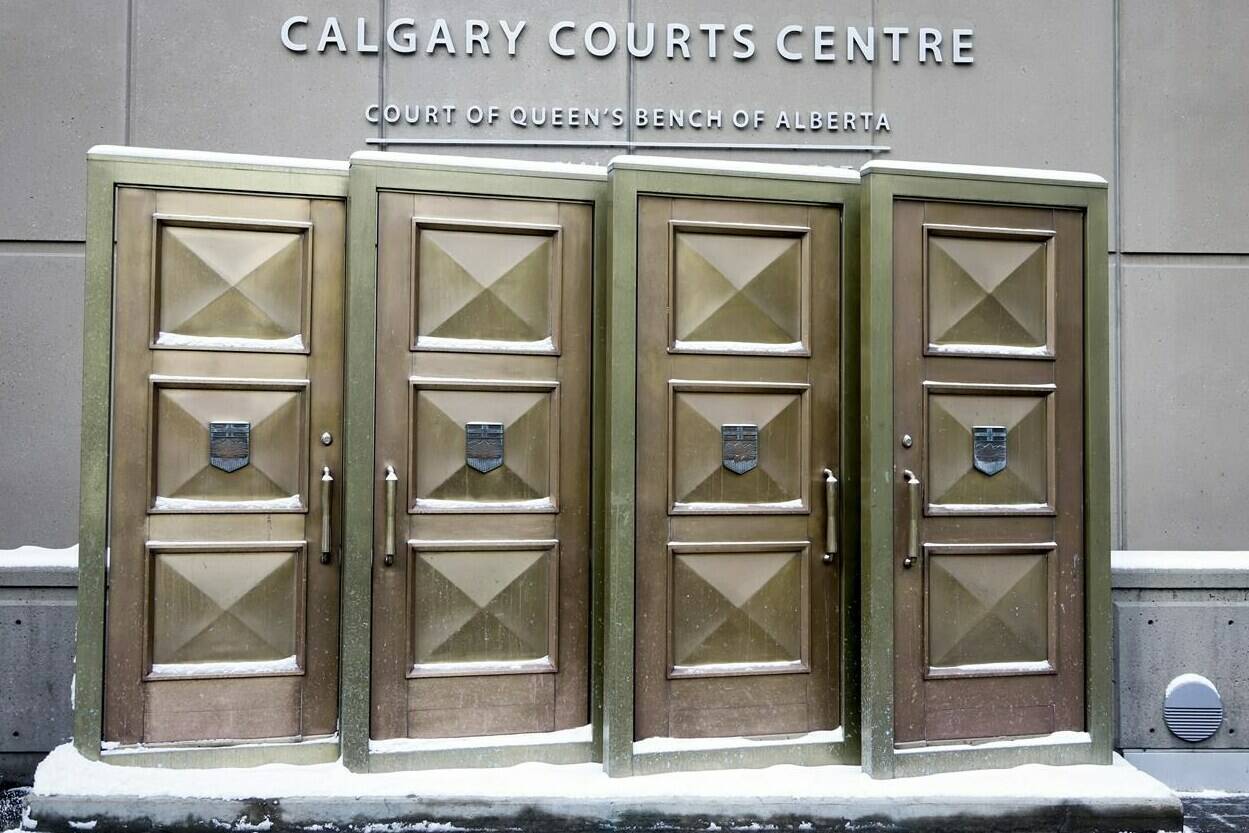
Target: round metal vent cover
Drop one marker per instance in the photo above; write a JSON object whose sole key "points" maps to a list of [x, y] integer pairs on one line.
{"points": [[1192, 709]]}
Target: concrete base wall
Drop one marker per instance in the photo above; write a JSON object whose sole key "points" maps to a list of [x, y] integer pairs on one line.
{"points": [[37, 619], [1177, 613]]}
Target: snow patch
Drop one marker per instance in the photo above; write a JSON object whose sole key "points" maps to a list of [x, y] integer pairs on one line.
{"points": [[983, 171], [542, 663], [1187, 679], [540, 504], [83, 825], [293, 344], [1222, 561], [778, 667], [985, 507], [735, 347], [651, 745], [1028, 667], [713, 506], [1052, 739], [66, 772], [581, 734], [511, 166], [286, 665], [32, 557], [179, 504], [734, 167], [991, 350], [468, 345], [126, 152]]}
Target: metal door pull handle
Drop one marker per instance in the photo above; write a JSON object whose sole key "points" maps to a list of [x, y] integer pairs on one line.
{"points": [[830, 516], [392, 486], [912, 526], [327, 528]]}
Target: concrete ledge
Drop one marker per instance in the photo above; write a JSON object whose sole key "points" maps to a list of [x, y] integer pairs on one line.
{"points": [[1195, 770], [70, 793], [136, 814], [1179, 569]]}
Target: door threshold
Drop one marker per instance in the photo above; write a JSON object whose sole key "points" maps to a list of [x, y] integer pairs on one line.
{"points": [[580, 734], [224, 753], [653, 745], [821, 748]]}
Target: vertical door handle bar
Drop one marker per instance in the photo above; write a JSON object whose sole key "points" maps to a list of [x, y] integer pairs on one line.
{"points": [[912, 524], [830, 516], [327, 528], [392, 486]]}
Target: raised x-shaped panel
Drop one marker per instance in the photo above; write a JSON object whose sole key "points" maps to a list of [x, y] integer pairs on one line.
{"points": [[446, 480], [187, 473], [226, 284], [737, 609], [738, 288], [1021, 479], [989, 610], [774, 415], [225, 609], [989, 292], [486, 287], [484, 607]]}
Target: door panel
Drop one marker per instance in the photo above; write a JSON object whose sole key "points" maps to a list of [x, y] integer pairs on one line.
{"points": [[222, 615], [988, 383], [481, 606], [737, 611]]}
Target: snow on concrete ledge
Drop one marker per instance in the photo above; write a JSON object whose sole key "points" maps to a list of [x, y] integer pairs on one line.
{"points": [[66, 772], [1179, 569], [39, 558], [578, 797], [1040, 175]]}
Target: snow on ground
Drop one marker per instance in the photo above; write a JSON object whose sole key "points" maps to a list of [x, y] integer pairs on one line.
{"points": [[66, 772]]}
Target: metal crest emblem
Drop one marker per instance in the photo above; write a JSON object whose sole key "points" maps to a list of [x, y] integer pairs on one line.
{"points": [[988, 448], [229, 445], [483, 445], [741, 447]]}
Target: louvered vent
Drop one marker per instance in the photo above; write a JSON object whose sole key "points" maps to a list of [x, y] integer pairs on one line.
{"points": [[1192, 709]]}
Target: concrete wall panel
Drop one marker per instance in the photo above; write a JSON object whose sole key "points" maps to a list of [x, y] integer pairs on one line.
{"points": [[1164, 633], [765, 81], [1184, 103], [1039, 95], [1185, 346], [40, 394], [62, 89], [215, 76], [37, 643], [533, 78]]}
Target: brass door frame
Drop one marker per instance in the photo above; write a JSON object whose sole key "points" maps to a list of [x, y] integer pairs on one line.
{"points": [[108, 169], [371, 173], [632, 177], [883, 183]]}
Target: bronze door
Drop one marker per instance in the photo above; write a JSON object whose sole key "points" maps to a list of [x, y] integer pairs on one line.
{"points": [[737, 421], [481, 571], [988, 412], [222, 614]]}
